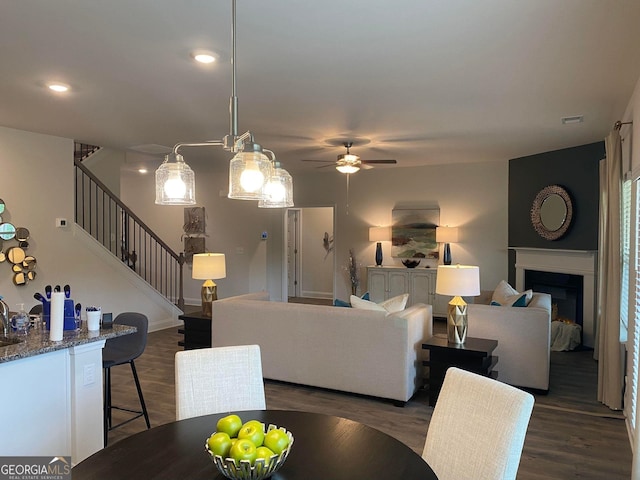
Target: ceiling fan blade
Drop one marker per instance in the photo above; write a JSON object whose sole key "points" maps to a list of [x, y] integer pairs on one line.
{"points": [[321, 161], [380, 161]]}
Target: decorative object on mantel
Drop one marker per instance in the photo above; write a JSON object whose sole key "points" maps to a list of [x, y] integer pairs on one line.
{"points": [[208, 267], [551, 212], [22, 265], [413, 233], [457, 281], [379, 235], [410, 263], [446, 235]]}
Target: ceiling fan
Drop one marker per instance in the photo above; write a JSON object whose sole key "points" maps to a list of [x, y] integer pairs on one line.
{"points": [[349, 163]]}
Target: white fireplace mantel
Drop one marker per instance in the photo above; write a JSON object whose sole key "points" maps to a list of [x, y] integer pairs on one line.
{"points": [[574, 262]]}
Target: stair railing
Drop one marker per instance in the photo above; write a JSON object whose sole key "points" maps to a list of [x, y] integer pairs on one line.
{"points": [[107, 219]]}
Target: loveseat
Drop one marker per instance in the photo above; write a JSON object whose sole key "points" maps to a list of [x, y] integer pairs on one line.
{"points": [[523, 335], [361, 351]]}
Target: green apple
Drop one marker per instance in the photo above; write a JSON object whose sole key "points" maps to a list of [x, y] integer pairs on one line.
{"points": [[252, 430], [230, 425], [220, 443], [276, 440], [243, 449], [266, 453]]}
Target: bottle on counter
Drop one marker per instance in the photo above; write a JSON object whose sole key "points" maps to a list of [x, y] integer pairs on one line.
{"points": [[20, 321], [4, 318]]}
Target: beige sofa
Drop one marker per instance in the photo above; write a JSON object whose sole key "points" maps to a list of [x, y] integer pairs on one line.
{"points": [[523, 335], [347, 349]]}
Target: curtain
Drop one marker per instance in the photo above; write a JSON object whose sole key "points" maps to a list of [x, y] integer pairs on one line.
{"points": [[608, 348]]}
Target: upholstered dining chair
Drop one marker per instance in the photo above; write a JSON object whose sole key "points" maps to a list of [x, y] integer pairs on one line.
{"points": [[477, 429], [220, 379], [119, 351]]}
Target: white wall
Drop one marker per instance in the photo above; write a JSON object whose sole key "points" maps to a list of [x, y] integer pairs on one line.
{"points": [[37, 186]]}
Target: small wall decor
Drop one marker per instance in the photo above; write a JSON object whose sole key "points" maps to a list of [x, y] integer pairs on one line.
{"points": [[22, 265], [327, 243], [413, 233], [193, 220], [193, 245]]}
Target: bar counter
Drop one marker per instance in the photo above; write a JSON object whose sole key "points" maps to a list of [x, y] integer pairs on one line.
{"points": [[37, 342]]}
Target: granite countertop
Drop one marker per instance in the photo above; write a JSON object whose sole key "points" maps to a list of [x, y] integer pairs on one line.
{"points": [[37, 341]]}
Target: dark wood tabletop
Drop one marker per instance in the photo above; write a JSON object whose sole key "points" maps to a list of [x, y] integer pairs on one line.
{"points": [[325, 447]]}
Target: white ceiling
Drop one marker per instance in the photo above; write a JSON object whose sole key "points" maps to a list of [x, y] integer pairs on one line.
{"points": [[425, 81]]}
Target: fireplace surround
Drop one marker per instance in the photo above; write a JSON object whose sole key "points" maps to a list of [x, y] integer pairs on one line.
{"points": [[582, 263]]}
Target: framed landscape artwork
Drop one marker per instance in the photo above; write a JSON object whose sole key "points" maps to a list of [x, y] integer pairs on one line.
{"points": [[413, 233]]}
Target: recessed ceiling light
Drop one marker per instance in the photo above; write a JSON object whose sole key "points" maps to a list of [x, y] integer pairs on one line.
{"points": [[573, 119], [58, 87], [142, 170], [204, 57]]}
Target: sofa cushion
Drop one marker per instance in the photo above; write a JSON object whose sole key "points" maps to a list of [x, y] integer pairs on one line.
{"points": [[392, 305], [357, 302], [341, 303], [395, 304], [506, 296]]}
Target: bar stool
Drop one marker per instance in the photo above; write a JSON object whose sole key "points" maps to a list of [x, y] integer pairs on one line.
{"points": [[118, 351]]}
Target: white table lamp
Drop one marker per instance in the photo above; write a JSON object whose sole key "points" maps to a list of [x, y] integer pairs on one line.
{"points": [[457, 280], [379, 234], [208, 267]]}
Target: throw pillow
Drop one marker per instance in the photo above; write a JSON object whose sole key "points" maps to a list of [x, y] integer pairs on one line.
{"points": [[507, 296], [357, 302], [341, 303], [395, 304]]}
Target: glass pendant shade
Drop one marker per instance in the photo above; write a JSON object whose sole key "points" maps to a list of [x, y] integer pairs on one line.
{"points": [[278, 191], [175, 182], [248, 172]]}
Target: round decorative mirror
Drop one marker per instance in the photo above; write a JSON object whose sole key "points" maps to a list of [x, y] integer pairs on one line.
{"points": [[1, 206], [22, 234], [7, 231], [551, 212], [16, 255]]}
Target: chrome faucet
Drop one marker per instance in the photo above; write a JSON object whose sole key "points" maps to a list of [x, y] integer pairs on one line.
{"points": [[4, 317]]}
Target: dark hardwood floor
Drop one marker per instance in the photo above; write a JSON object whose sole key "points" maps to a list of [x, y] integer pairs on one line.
{"points": [[570, 434]]}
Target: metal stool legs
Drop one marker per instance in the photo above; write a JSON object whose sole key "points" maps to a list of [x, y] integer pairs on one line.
{"points": [[108, 407]]}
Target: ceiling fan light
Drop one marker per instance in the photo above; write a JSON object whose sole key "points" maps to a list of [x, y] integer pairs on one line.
{"points": [[175, 182], [248, 172], [278, 191], [347, 168]]}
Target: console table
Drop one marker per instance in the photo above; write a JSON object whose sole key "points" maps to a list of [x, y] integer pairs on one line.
{"points": [[420, 283], [475, 355], [196, 330]]}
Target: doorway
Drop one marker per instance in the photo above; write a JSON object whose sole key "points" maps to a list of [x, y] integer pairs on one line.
{"points": [[310, 259]]}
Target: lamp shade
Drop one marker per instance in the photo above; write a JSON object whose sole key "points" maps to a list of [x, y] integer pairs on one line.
{"points": [[278, 191], [379, 234], [209, 266], [446, 234], [458, 280], [175, 182], [248, 173]]}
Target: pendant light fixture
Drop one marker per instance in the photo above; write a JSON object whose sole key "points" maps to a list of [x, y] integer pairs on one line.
{"points": [[278, 191], [250, 170]]}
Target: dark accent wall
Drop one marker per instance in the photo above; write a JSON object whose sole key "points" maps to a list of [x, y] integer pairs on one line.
{"points": [[575, 169]]}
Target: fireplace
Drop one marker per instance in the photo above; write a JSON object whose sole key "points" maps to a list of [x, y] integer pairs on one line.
{"points": [[576, 296], [566, 292]]}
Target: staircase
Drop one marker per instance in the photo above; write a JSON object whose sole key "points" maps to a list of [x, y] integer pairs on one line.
{"points": [[109, 221]]}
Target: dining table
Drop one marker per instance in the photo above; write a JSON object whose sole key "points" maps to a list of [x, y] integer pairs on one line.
{"points": [[324, 447]]}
